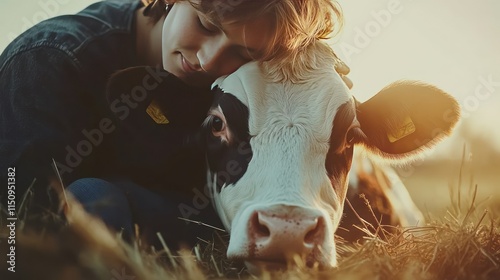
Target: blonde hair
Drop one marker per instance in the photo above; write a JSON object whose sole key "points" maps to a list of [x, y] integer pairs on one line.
{"points": [[296, 23], [314, 60]]}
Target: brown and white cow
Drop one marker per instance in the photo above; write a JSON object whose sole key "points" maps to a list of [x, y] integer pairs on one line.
{"points": [[279, 142]]}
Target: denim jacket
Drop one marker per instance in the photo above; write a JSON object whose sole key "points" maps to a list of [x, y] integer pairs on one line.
{"points": [[53, 104]]}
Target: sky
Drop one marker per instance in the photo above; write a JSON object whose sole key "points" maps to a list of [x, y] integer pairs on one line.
{"points": [[453, 44]]}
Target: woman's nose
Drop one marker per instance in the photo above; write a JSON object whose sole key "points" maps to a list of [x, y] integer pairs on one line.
{"points": [[209, 54], [215, 57]]}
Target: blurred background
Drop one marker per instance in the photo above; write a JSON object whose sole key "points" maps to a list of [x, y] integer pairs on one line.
{"points": [[453, 44]]}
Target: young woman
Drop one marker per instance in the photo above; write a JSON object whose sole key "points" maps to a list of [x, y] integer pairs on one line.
{"points": [[53, 104]]}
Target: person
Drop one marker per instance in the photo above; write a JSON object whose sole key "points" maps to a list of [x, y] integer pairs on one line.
{"points": [[57, 124]]}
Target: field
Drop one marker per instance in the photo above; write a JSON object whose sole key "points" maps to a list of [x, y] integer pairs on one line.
{"points": [[460, 240], [434, 186]]}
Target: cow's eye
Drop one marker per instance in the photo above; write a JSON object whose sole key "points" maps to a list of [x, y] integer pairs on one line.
{"points": [[217, 124]]}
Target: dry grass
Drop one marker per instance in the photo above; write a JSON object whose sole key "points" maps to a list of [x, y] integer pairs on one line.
{"points": [[450, 249], [461, 245]]}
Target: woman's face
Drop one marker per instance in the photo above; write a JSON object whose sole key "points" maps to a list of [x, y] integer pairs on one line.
{"points": [[198, 52]]}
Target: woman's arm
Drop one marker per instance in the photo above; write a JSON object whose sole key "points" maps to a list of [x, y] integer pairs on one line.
{"points": [[41, 112]]}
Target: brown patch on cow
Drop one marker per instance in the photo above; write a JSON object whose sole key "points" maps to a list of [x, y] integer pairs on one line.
{"points": [[339, 158], [370, 203]]}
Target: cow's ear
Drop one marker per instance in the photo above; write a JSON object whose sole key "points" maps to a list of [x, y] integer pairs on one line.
{"points": [[141, 83], [143, 95], [406, 117]]}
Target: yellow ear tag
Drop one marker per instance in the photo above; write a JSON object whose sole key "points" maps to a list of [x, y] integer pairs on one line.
{"points": [[407, 127], [156, 114]]}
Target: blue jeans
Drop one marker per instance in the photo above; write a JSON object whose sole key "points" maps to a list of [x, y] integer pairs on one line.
{"points": [[121, 204]]}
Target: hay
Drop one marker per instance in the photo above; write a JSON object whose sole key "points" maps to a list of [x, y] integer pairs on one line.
{"points": [[464, 244], [459, 246]]}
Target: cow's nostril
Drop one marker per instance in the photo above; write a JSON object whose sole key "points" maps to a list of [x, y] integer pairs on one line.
{"points": [[260, 227], [315, 233]]}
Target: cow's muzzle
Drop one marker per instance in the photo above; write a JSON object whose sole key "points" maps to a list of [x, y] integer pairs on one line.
{"points": [[283, 235]]}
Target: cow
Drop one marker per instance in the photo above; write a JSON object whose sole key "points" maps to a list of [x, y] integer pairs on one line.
{"points": [[278, 141], [282, 135]]}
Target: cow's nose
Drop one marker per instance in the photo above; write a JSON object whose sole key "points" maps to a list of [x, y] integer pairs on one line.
{"points": [[280, 236]]}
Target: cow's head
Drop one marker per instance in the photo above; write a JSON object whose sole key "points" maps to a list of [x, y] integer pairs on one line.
{"points": [[279, 143]]}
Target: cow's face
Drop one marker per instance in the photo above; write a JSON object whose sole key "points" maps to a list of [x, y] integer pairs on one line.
{"points": [[279, 153]]}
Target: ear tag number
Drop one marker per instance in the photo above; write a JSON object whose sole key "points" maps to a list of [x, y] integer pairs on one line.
{"points": [[406, 128], [156, 114]]}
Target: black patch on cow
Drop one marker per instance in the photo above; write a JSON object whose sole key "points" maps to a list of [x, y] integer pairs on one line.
{"points": [[229, 160], [339, 157]]}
